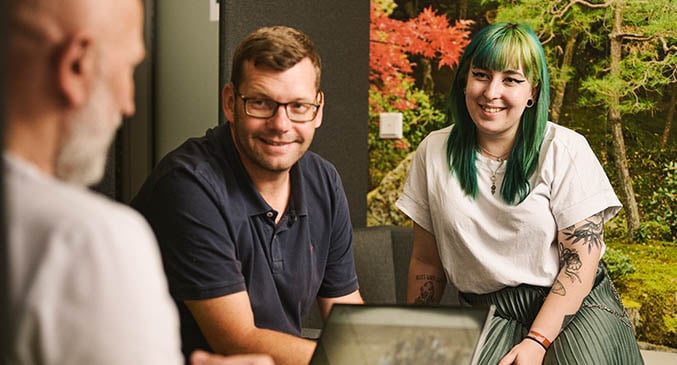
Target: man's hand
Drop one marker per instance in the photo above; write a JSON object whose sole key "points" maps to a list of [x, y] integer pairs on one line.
{"points": [[204, 358]]}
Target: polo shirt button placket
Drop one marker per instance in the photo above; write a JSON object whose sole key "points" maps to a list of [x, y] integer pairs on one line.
{"points": [[278, 262]]}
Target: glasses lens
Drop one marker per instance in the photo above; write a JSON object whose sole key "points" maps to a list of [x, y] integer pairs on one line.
{"points": [[301, 112], [260, 108]]}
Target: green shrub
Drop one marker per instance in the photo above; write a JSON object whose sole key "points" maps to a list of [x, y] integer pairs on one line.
{"points": [[617, 263], [653, 231]]}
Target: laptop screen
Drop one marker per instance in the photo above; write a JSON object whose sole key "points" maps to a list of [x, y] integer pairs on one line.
{"points": [[401, 334]]}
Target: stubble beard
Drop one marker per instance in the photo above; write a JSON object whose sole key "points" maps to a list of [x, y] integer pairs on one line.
{"points": [[246, 146]]}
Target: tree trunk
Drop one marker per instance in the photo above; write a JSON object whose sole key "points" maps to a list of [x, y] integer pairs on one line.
{"points": [[614, 117], [670, 117], [427, 82], [463, 9], [567, 60], [410, 8]]}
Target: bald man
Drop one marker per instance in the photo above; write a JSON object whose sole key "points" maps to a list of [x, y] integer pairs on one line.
{"points": [[87, 285]]}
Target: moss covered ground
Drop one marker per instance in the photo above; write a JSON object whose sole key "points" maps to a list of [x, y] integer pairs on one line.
{"points": [[647, 282]]}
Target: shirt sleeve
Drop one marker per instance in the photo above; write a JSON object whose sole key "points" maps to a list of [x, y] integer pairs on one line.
{"points": [[579, 187], [340, 277], [199, 254], [414, 198]]}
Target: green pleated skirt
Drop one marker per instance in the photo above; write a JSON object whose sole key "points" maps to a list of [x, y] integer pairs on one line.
{"points": [[599, 334]]}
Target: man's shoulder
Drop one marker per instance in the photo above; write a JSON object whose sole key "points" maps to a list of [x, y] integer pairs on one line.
{"points": [[198, 156], [312, 162], [54, 206]]}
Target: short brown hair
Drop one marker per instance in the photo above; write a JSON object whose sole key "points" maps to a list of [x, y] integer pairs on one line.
{"points": [[278, 48]]}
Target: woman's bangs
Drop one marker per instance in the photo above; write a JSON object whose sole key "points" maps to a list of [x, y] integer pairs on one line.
{"points": [[498, 56]]}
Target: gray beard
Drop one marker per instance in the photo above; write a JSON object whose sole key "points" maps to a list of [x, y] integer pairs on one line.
{"points": [[82, 157]]}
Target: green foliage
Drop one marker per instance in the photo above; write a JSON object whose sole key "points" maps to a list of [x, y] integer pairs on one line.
{"points": [[652, 170], [652, 230], [662, 206], [386, 154], [618, 264], [648, 60]]}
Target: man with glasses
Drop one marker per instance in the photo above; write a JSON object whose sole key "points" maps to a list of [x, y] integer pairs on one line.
{"points": [[253, 227]]}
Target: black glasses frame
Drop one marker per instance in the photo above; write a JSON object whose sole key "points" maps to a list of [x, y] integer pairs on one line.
{"points": [[277, 107]]}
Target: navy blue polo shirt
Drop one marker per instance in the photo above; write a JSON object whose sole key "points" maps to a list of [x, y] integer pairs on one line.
{"points": [[218, 236]]}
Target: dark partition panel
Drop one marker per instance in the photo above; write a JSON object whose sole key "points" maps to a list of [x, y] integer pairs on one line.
{"points": [[5, 334], [340, 30]]}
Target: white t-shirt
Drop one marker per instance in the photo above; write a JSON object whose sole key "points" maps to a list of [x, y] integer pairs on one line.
{"points": [[486, 244], [87, 284]]}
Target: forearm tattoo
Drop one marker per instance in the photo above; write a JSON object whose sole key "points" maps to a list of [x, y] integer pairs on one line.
{"points": [[590, 233], [570, 261], [558, 288], [427, 290]]}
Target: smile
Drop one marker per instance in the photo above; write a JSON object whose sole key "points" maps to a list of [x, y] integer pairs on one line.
{"points": [[275, 143], [490, 109]]}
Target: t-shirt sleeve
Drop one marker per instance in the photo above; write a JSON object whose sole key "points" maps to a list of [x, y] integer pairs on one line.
{"points": [[198, 252], [340, 277], [580, 188], [101, 298], [414, 198]]}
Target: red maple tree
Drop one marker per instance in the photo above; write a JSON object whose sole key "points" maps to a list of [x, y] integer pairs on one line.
{"points": [[391, 41]]}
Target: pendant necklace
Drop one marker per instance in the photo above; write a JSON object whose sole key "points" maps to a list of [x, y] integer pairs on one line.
{"points": [[493, 172], [493, 175]]}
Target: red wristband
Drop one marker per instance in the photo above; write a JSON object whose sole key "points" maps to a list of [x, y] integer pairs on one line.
{"points": [[542, 340]]}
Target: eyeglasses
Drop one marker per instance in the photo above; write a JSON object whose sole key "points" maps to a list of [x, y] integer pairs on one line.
{"points": [[266, 108]]}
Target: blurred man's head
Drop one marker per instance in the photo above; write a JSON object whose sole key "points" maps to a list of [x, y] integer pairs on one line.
{"points": [[71, 79]]}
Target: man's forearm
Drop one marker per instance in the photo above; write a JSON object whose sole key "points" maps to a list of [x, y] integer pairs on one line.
{"points": [[282, 347]]}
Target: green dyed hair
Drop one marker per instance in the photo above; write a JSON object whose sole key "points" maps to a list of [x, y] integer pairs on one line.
{"points": [[499, 47]]}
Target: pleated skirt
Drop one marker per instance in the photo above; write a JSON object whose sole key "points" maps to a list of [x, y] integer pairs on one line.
{"points": [[599, 334]]}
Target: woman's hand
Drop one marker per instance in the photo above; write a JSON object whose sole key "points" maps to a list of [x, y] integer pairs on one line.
{"points": [[526, 352]]}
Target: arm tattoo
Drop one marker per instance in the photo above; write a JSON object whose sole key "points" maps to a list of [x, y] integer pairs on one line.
{"points": [[570, 261], [590, 233], [558, 288], [427, 290], [427, 293]]}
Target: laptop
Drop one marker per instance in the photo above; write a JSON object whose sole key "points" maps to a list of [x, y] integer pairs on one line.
{"points": [[402, 334]]}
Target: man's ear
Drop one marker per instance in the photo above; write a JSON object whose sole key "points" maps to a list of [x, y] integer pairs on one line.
{"points": [[76, 69], [228, 101], [320, 111]]}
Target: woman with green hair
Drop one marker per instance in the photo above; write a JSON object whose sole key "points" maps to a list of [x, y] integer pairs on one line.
{"points": [[510, 209]]}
